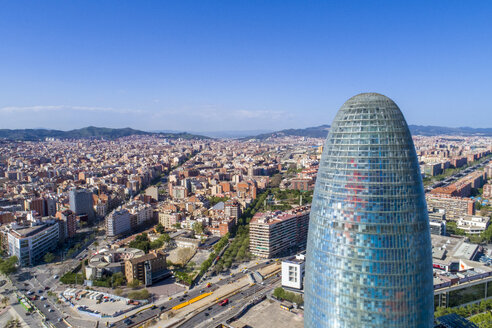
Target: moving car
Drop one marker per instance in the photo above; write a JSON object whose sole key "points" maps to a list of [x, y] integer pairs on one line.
{"points": [[224, 302]]}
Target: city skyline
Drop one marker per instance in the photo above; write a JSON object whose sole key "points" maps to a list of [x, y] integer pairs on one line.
{"points": [[211, 67]]}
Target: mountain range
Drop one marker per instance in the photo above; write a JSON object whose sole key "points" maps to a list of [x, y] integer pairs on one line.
{"points": [[90, 132], [322, 131]]}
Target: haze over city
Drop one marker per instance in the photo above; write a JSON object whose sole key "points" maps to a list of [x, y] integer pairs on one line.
{"points": [[212, 66]]}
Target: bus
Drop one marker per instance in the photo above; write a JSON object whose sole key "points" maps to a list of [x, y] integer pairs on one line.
{"points": [[25, 305]]}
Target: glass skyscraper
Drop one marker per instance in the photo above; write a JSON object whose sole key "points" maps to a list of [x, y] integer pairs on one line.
{"points": [[369, 261]]}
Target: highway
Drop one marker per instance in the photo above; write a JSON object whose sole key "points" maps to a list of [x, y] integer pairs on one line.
{"points": [[147, 314], [216, 313]]}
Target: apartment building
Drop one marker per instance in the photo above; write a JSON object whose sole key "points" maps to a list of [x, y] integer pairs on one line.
{"points": [[169, 218], [272, 234], [454, 207], [118, 222], [68, 224], [232, 208], [148, 268]]}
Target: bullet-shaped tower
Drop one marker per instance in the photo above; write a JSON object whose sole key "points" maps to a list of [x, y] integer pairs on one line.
{"points": [[369, 261]]}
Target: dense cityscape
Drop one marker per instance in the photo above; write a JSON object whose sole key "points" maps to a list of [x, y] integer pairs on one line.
{"points": [[160, 232], [245, 164]]}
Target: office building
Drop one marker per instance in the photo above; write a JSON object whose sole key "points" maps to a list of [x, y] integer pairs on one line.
{"points": [[368, 258], [81, 203], [273, 234], [31, 242]]}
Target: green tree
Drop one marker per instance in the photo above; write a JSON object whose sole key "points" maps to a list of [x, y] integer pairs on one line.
{"points": [[71, 252], [8, 265], [197, 228], [165, 237], [49, 257], [134, 284], [160, 228], [139, 295], [118, 279]]}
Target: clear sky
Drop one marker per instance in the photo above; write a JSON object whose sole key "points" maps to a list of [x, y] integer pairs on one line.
{"points": [[227, 65]]}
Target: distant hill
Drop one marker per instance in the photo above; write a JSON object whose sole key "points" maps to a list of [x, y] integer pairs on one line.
{"points": [[441, 130], [312, 132], [90, 132], [322, 131]]}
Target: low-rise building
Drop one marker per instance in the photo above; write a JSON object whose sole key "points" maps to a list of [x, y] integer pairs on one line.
{"points": [[148, 268], [293, 271], [473, 224], [109, 261]]}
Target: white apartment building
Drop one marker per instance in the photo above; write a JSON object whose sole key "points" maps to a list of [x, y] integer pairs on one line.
{"points": [[293, 271], [473, 224], [118, 222]]}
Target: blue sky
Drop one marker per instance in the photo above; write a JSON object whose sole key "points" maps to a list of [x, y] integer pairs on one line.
{"points": [[240, 65]]}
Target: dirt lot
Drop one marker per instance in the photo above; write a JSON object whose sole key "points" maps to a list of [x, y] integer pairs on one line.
{"points": [[270, 315], [165, 288]]}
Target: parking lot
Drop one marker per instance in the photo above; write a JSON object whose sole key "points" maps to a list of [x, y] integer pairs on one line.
{"points": [[104, 307]]}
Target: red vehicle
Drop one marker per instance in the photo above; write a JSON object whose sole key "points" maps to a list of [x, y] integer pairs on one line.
{"points": [[224, 302]]}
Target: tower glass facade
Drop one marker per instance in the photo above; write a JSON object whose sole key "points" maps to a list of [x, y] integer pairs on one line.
{"points": [[369, 261]]}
